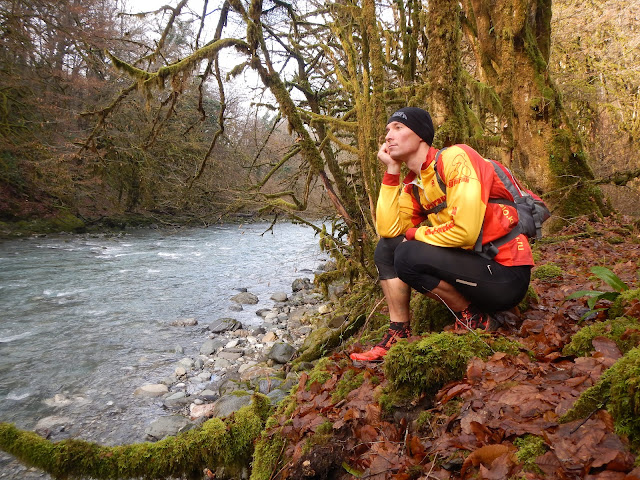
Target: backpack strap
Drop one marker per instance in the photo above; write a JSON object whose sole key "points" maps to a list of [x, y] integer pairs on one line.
{"points": [[443, 187]]}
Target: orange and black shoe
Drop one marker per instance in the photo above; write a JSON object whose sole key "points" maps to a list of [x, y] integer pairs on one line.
{"points": [[396, 332], [470, 320]]}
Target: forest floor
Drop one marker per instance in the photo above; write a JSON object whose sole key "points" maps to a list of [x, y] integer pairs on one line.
{"points": [[502, 419]]}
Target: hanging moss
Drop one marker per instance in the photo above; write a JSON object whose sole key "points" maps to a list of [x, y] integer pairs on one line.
{"points": [[624, 331], [426, 365], [619, 392], [217, 443]]}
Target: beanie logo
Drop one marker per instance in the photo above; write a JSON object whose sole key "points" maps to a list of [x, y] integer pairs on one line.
{"points": [[400, 114]]}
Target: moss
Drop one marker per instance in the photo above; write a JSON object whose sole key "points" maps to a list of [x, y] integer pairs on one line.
{"points": [[530, 297], [623, 302], [428, 315], [618, 390], [426, 365], [349, 381], [547, 272], [424, 419], [615, 240], [216, 443], [324, 340], [268, 456], [319, 374], [530, 447], [624, 331]]}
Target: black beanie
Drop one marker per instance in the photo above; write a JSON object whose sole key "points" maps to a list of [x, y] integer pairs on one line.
{"points": [[417, 120]]}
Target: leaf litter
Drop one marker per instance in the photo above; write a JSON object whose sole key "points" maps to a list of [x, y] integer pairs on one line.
{"points": [[471, 428]]}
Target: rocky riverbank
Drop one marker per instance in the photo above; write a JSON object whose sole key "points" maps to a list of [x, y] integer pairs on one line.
{"points": [[233, 362]]}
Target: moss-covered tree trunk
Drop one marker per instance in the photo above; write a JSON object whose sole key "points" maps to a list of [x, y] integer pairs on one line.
{"points": [[511, 40], [446, 96]]}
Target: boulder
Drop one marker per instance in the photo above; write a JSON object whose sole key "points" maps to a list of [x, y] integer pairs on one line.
{"points": [[225, 406], [154, 390], [166, 426], [281, 353], [301, 284], [211, 346], [279, 297], [245, 298], [224, 325]]}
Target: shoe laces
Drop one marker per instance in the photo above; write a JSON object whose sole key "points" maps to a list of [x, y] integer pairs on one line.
{"points": [[392, 336]]}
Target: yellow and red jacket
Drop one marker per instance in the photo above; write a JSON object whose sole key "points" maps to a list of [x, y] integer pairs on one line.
{"points": [[470, 182]]}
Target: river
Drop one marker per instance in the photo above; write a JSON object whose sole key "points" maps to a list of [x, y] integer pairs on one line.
{"points": [[86, 319]]}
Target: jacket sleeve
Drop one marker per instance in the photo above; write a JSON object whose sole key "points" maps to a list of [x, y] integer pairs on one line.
{"points": [[395, 212], [460, 223]]}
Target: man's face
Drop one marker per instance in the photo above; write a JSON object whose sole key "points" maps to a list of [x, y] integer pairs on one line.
{"points": [[401, 141]]}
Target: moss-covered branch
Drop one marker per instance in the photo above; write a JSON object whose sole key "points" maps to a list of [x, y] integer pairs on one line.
{"points": [[217, 443]]}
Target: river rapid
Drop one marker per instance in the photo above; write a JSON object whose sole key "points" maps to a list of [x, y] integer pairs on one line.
{"points": [[87, 319]]}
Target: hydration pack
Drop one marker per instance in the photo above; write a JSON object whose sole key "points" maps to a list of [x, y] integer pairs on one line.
{"points": [[532, 211]]}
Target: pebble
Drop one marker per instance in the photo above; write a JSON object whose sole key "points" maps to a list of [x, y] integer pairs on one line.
{"points": [[232, 357]]}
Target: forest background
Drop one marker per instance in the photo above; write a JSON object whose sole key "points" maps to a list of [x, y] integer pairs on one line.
{"points": [[82, 140]]}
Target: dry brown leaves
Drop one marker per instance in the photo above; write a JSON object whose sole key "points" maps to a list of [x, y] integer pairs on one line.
{"points": [[499, 400]]}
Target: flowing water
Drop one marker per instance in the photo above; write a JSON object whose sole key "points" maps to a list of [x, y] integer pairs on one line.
{"points": [[85, 320]]}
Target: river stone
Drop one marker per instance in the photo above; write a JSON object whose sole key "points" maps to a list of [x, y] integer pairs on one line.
{"points": [[301, 284], [211, 346], [231, 356], [245, 298], [204, 410], [180, 372], [279, 297], [276, 396], [208, 394], [266, 385], [281, 353], [228, 404], [186, 362], [154, 390], [175, 396], [52, 421], [224, 325], [184, 322], [269, 337], [257, 371], [166, 426]]}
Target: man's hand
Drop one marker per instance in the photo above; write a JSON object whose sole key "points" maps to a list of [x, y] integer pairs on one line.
{"points": [[393, 166]]}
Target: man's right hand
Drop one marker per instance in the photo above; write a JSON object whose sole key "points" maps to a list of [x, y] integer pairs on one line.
{"points": [[393, 166]]}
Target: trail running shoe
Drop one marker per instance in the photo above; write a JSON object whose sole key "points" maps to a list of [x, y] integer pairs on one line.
{"points": [[471, 321], [377, 353]]}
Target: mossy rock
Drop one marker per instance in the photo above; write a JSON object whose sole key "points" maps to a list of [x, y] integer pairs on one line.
{"points": [[622, 303], [426, 365], [216, 443], [428, 315], [323, 340], [624, 331], [618, 390], [547, 272]]}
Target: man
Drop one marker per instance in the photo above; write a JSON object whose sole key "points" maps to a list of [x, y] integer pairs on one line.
{"points": [[439, 260]]}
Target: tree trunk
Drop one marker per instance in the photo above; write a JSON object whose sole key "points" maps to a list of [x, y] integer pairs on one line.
{"points": [[512, 39]]}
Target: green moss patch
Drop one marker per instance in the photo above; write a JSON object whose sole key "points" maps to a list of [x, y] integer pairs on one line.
{"points": [[426, 365], [619, 392], [624, 331]]}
